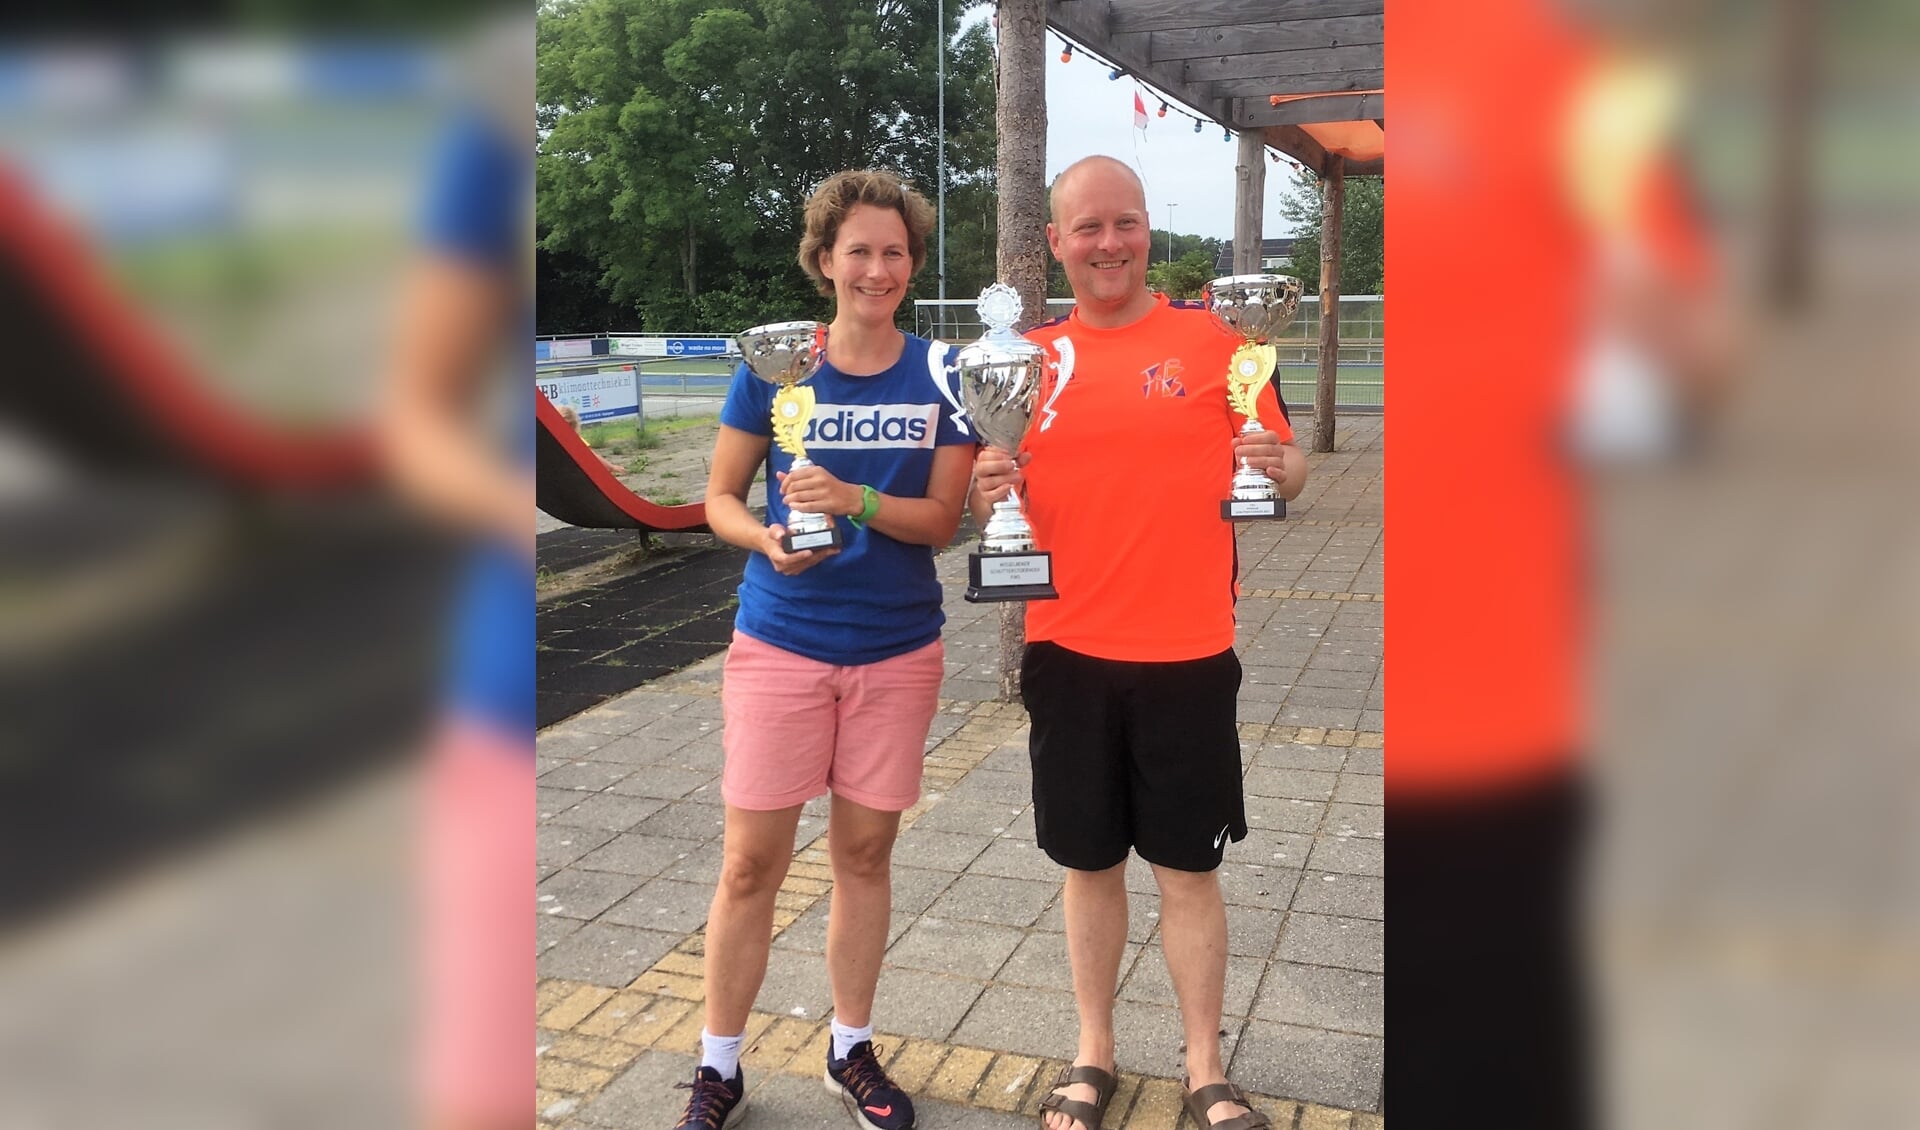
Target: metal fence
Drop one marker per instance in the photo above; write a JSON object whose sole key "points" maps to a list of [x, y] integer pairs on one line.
{"points": [[667, 368]]}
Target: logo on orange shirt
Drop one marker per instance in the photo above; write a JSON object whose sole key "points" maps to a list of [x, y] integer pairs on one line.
{"points": [[1165, 377]]}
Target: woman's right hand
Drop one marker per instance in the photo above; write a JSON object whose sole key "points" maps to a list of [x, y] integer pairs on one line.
{"points": [[790, 564], [995, 472]]}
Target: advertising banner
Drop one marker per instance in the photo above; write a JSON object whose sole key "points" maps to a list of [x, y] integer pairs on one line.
{"points": [[596, 396]]}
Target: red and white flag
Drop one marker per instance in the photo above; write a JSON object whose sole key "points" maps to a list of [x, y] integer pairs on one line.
{"points": [[1139, 112]]}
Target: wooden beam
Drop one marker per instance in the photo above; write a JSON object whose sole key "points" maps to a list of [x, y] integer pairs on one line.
{"points": [[1091, 23], [1249, 201], [1333, 192], [1172, 15], [1292, 35], [1212, 68], [1297, 144], [1260, 87], [1085, 22], [1250, 112]]}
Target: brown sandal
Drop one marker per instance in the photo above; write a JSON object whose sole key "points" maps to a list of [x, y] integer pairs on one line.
{"points": [[1200, 1101], [1086, 1114]]}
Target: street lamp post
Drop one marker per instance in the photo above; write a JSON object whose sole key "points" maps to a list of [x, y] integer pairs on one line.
{"points": [[1170, 209]]}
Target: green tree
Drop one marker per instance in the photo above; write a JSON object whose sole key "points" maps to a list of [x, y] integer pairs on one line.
{"points": [[1363, 244], [569, 298], [680, 138], [1185, 277], [1183, 245]]}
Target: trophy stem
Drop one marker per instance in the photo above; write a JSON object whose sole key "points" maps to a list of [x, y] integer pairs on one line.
{"points": [[805, 521], [1249, 428], [1249, 484], [1007, 530]]}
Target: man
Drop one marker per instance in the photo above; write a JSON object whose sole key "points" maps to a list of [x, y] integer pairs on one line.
{"points": [[1487, 799], [1130, 676]]}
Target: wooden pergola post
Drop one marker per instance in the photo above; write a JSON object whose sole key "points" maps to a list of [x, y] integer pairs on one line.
{"points": [[1021, 254], [1333, 191], [1787, 254], [1249, 201]]}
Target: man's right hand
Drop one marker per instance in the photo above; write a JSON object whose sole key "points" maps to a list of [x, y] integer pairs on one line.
{"points": [[995, 472]]}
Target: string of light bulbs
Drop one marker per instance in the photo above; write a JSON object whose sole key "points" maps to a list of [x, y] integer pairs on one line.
{"points": [[1115, 74]]}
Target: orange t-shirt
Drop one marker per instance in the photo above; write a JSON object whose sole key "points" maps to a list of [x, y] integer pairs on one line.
{"points": [[1486, 617], [1132, 445]]}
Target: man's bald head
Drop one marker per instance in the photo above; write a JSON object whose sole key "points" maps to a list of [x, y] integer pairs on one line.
{"points": [[1096, 164]]}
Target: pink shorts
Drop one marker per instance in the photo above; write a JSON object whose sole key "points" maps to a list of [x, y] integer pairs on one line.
{"points": [[796, 727], [477, 939]]}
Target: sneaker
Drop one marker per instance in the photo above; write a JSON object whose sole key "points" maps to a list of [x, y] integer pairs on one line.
{"points": [[869, 1095], [715, 1102]]}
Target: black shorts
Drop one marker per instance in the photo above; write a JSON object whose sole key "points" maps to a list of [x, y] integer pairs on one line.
{"points": [[1489, 982], [1133, 755]]}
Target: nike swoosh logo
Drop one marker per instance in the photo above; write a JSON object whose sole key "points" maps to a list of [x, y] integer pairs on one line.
{"points": [[1222, 837], [882, 1111]]}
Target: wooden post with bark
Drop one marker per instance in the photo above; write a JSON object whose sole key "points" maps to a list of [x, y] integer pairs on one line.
{"points": [[1333, 191], [1249, 201], [1787, 257], [1021, 171]]}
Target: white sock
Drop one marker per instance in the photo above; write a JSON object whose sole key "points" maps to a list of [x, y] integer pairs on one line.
{"points": [[844, 1038], [722, 1053]]}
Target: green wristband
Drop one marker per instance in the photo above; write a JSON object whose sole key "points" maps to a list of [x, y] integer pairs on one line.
{"points": [[869, 506]]}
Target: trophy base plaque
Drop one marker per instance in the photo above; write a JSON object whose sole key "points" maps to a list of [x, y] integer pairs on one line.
{"points": [[828, 538], [1010, 576], [1252, 509]]}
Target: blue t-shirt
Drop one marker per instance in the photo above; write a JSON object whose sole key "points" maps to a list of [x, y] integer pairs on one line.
{"points": [[876, 598], [476, 211]]}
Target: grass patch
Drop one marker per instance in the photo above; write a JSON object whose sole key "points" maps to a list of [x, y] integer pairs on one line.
{"points": [[626, 436], [671, 500], [671, 424], [609, 434], [636, 465]]}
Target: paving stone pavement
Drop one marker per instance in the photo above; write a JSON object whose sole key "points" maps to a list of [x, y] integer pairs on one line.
{"points": [[975, 1006]]}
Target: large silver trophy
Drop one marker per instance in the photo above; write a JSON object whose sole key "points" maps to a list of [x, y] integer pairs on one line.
{"points": [[1256, 307], [999, 378], [787, 355]]}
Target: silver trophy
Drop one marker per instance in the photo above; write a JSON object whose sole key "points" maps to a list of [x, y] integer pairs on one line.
{"points": [[999, 378], [1256, 308], [787, 355]]}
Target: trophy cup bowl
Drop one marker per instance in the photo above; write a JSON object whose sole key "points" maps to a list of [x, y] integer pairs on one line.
{"points": [[783, 353], [999, 385], [1255, 308], [787, 355], [999, 378]]}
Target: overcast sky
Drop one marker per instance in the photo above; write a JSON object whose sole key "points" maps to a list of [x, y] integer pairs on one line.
{"points": [[1189, 176]]}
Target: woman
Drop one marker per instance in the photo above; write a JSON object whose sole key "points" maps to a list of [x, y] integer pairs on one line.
{"points": [[467, 306], [834, 671]]}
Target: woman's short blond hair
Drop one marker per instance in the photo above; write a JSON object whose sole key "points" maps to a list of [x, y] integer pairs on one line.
{"points": [[827, 208]]}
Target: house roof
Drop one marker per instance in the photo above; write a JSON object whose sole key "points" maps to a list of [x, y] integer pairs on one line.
{"points": [[1278, 248]]}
